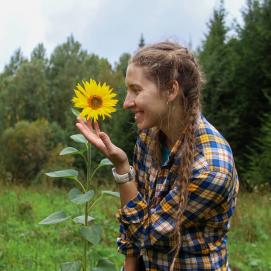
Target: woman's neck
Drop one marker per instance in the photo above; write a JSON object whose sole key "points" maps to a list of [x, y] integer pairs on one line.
{"points": [[173, 128]]}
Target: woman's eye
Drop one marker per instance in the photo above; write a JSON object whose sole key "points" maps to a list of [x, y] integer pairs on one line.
{"points": [[137, 90]]}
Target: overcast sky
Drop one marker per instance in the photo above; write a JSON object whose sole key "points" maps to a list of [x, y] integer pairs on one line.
{"points": [[104, 27]]}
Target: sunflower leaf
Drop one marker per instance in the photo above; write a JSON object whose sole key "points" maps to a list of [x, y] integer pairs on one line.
{"points": [[111, 193], [67, 173], [105, 265], [75, 112], [69, 150], [81, 198], [81, 219], [92, 233], [54, 218], [105, 162], [79, 138]]}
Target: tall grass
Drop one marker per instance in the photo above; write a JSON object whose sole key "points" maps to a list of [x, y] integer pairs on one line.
{"points": [[27, 246], [250, 236]]}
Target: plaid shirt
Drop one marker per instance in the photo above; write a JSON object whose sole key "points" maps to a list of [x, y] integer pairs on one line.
{"points": [[147, 221]]}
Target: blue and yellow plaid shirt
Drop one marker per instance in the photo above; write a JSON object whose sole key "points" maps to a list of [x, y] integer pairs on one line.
{"points": [[147, 222]]}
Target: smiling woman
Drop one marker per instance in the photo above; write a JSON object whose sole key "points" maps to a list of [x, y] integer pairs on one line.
{"points": [[179, 196]]}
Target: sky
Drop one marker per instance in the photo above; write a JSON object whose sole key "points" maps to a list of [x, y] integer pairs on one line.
{"points": [[107, 28]]}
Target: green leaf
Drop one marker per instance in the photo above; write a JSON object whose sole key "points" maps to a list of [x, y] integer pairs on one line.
{"points": [[71, 266], [105, 265], [69, 150], [81, 219], [105, 162], [67, 173], [112, 193], [74, 192], [79, 138], [81, 198], [54, 218], [92, 233], [75, 112]]}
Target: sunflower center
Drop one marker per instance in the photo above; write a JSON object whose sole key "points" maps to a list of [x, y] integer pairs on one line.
{"points": [[95, 102]]}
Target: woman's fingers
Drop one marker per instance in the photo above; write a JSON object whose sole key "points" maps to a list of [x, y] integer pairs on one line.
{"points": [[91, 136], [97, 127], [106, 140], [82, 123], [85, 130], [100, 140], [89, 124]]}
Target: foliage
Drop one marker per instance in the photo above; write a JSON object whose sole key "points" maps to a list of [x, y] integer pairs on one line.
{"points": [[26, 148], [238, 77], [25, 94], [259, 171]]}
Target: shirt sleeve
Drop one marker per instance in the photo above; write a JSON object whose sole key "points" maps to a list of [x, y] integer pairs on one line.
{"points": [[148, 227], [211, 195]]}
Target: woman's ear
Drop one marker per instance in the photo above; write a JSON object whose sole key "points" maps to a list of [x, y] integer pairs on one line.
{"points": [[174, 91]]}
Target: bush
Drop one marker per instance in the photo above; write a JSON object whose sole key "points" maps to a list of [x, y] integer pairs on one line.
{"points": [[26, 148], [53, 163]]}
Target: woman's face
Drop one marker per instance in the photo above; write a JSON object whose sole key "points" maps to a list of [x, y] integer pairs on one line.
{"points": [[144, 99]]}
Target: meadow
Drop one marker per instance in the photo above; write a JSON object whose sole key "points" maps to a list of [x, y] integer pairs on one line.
{"points": [[27, 246]]}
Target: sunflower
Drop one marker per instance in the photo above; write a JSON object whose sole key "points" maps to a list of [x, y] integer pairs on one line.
{"points": [[95, 100]]}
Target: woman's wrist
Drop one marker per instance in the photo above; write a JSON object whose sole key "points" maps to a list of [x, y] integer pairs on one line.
{"points": [[123, 167]]}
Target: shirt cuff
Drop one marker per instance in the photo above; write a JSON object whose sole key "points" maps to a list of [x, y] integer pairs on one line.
{"points": [[135, 211], [126, 247]]}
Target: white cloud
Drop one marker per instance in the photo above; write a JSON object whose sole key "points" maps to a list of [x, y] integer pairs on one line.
{"points": [[105, 27]]}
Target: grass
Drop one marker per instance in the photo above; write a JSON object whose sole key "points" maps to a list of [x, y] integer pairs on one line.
{"points": [[27, 246], [250, 236]]}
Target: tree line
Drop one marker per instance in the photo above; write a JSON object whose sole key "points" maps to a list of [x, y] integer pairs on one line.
{"points": [[35, 98]]}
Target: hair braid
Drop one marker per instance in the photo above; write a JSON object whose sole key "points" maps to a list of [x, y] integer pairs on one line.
{"points": [[187, 156]]}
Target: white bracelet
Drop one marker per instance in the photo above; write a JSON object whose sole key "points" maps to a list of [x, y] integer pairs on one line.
{"points": [[124, 178]]}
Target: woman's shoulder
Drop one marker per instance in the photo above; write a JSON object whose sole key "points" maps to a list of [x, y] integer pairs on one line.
{"points": [[213, 147]]}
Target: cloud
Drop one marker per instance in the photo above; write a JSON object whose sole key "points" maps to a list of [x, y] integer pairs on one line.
{"points": [[105, 27]]}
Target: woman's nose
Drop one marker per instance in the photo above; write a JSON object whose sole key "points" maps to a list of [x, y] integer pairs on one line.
{"points": [[129, 101]]}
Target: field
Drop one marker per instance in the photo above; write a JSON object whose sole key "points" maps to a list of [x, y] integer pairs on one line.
{"points": [[27, 246]]}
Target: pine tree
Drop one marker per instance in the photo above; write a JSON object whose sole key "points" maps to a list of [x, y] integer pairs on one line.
{"points": [[141, 41], [214, 59]]}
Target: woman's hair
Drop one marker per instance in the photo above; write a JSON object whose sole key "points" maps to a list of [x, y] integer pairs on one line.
{"points": [[164, 63]]}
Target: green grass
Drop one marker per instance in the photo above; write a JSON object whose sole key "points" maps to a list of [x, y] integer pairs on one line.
{"points": [[27, 246], [250, 236]]}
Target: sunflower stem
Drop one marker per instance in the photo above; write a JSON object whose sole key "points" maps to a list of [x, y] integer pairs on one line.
{"points": [[88, 162]]}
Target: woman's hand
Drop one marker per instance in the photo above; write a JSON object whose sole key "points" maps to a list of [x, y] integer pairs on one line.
{"points": [[103, 143]]}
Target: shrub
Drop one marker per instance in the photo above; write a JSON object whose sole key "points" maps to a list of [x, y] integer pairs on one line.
{"points": [[26, 148]]}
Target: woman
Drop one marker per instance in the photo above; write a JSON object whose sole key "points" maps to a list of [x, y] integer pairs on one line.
{"points": [[178, 197]]}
